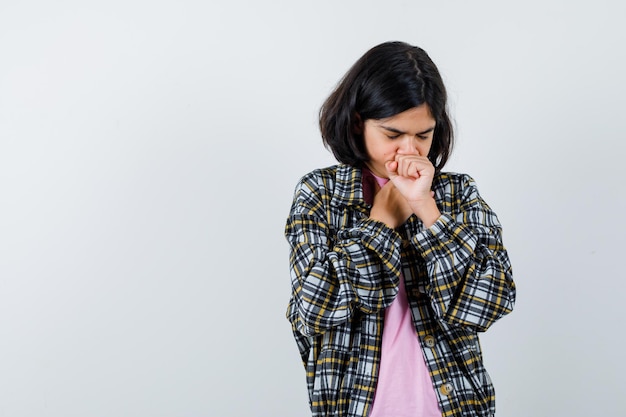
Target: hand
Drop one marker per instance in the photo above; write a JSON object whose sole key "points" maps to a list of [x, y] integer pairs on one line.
{"points": [[413, 177], [390, 206]]}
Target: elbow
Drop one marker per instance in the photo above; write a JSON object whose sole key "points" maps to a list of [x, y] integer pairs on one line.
{"points": [[496, 308], [480, 305], [312, 320]]}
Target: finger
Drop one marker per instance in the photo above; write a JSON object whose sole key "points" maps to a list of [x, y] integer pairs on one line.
{"points": [[413, 169], [401, 164], [392, 168], [414, 166], [409, 167]]}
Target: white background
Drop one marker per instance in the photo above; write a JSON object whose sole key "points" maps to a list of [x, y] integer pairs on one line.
{"points": [[148, 155]]}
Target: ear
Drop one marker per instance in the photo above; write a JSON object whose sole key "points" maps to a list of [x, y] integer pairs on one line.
{"points": [[357, 124]]}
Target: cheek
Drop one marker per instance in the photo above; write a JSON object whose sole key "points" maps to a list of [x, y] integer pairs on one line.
{"points": [[384, 156], [425, 148], [381, 152], [388, 151]]}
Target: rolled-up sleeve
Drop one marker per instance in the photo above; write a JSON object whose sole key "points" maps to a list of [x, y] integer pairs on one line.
{"points": [[468, 273], [336, 270]]}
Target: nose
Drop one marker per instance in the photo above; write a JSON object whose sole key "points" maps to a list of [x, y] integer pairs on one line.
{"points": [[409, 145]]}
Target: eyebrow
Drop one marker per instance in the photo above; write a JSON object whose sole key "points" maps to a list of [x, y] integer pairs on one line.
{"points": [[394, 130]]}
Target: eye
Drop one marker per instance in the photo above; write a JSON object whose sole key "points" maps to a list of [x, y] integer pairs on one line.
{"points": [[393, 136], [423, 137]]}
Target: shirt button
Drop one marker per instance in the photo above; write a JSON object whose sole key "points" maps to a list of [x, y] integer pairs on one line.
{"points": [[446, 389], [429, 341]]}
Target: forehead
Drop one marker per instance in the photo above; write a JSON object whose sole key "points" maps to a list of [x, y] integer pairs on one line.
{"points": [[416, 118]]}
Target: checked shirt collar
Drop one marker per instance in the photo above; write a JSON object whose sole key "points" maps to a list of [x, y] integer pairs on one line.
{"points": [[354, 187]]}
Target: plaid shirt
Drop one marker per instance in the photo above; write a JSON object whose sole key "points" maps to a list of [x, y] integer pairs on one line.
{"points": [[345, 270]]}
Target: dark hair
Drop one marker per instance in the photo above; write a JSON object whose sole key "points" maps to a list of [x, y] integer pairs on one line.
{"points": [[390, 78]]}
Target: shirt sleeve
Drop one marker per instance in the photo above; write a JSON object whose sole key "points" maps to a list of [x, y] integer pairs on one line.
{"points": [[469, 278], [335, 273]]}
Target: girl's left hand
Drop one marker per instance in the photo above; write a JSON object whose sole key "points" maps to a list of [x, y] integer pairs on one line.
{"points": [[413, 177]]}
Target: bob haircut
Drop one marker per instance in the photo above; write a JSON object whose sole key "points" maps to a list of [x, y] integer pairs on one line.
{"points": [[390, 78]]}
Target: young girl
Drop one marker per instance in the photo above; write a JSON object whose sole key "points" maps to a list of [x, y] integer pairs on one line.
{"points": [[395, 265]]}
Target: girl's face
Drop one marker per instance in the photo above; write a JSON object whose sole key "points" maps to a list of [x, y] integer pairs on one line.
{"points": [[406, 133]]}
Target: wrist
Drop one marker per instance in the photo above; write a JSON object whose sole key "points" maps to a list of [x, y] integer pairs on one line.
{"points": [[383, 217], [426, 210]]}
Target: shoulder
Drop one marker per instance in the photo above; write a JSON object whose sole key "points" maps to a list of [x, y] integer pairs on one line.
{"points": [[452, 182], [319, 177], [317, 184], [456, 192]]}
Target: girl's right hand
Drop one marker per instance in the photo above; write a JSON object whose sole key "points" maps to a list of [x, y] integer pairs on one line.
{"points": [[390, 206]]}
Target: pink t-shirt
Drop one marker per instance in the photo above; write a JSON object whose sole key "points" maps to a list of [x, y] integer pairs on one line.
{"points": [[404, 386]]}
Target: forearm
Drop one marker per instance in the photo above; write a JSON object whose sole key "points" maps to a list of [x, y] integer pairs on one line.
{"points": [[469, 279], [359, 270], [426, 210]]}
